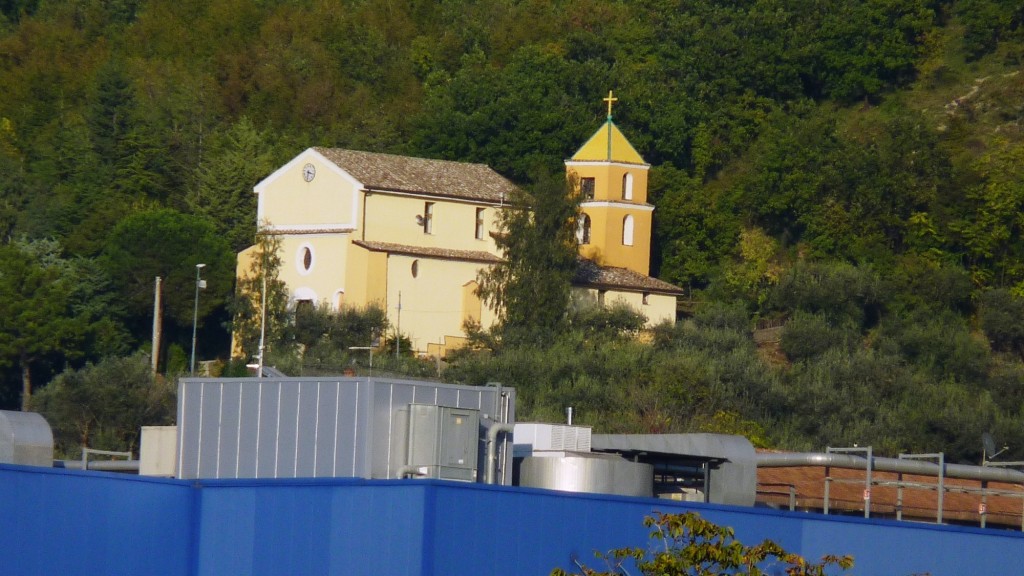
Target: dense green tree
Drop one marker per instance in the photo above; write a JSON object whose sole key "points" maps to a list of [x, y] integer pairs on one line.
{"points": [[13, 194], [869, 46], [986, 22], [840, 292], [1000, 316], [105, 405], [990, 229], [13, 10], [807, 336], [48, 308], [694, 228], [530, 287], [322, 338], [235, 162], [532, 113], [168, 244]]}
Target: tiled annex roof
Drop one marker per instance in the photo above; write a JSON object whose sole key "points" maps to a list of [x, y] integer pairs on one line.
{"points": [[589, 274], [389, 172], [467, 255]]}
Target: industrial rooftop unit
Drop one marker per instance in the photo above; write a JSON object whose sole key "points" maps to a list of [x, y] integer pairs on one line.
{"points": [[25, 438], [343, 427]]}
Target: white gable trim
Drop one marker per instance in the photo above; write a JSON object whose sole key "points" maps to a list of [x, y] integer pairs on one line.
{"points": [[571, 163], [623, 205], [304, 157]]}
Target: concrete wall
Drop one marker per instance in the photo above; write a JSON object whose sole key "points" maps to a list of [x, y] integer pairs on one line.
{"points": [[72, 522]]}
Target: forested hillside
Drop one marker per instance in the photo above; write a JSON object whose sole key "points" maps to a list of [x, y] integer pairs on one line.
{"points": [[848, 171]]}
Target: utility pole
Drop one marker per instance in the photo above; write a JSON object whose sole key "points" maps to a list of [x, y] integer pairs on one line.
{"points": [[157, 325], [195, 318], [398, 326], [263, 323]]}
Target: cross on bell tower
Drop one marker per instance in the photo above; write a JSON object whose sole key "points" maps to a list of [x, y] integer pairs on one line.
{"points": [[611, 99]]}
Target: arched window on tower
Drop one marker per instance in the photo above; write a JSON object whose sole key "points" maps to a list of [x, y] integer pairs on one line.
{"points": [[627, 186], [583, 232], [627, 231]]}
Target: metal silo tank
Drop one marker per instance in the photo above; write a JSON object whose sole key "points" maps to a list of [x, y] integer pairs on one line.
{"points": [[588, 472]]}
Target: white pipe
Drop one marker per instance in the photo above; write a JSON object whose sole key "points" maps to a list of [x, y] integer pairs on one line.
{"points": [[411, 470], [493, 430]]}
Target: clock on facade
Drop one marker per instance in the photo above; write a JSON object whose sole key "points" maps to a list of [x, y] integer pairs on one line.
{"points": [[308, 172]]}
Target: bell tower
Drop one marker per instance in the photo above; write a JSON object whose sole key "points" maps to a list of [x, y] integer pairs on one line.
{"points": [[611, 177]]}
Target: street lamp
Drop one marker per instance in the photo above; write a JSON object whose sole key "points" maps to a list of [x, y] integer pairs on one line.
{"points": [[195, 317]]}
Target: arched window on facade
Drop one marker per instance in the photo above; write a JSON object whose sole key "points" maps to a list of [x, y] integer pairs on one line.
{"points": [[627, 230], [583, 233], [627, 186]]}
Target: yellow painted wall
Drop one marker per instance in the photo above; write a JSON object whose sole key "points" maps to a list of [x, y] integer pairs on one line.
{"points": [[366, 278], [608, 179], [326, 276], [391, 218], [606, 246], [432, 301], [329, 199], [659, 307]]}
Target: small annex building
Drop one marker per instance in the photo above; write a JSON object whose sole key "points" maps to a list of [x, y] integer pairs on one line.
{"points": [[410, 235]]}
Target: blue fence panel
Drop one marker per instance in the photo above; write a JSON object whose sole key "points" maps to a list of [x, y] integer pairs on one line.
{"points": [[490, 530], [321, 526], [885, 547], [71, 522]]}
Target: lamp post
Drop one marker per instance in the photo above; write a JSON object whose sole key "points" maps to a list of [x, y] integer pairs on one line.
{"points": [[195, 317]]}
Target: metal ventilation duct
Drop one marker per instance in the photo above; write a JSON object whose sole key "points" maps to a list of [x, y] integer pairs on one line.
{"points": [[25, 438], [728, 461]]}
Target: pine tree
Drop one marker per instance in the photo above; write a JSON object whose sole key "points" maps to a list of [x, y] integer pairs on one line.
{"points": [[530, 288]]}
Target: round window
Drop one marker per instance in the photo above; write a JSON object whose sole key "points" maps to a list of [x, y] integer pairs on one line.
{"points": [[304, 259]]}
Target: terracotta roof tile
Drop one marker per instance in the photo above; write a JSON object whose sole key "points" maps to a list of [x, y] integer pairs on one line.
{"points": [[467, 255], [589, 274], [389, 172]]}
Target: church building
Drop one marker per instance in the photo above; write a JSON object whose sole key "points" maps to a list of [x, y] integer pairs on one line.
{"points": [[410, 234]]}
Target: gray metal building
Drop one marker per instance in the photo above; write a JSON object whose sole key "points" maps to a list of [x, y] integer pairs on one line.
{"points": [[343, 427]]}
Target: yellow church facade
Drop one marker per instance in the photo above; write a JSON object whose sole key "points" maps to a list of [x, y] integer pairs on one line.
{"points": [[411, 234]]}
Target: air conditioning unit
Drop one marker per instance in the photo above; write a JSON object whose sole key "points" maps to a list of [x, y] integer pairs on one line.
{"points": [[442, 442], [533, 439]]}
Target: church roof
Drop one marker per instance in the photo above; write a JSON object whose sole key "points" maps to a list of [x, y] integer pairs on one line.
{"points": [[608, 144], [390, 172], [590, 274], [424, 252]]}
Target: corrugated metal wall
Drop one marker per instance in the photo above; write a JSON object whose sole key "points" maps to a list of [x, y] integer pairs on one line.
{"points": [[309, 427], [85, 523]]}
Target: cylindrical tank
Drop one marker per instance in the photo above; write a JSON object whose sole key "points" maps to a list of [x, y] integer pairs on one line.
{"points": [[588, 472], [25, 438]]}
